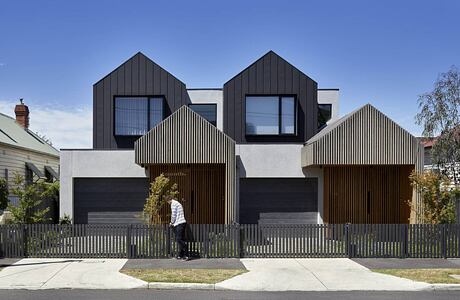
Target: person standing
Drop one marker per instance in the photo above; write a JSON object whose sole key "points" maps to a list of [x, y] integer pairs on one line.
{"points": [[178, 223]]}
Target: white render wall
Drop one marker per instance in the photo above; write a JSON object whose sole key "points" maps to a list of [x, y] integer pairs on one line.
{"points": [[210, 97], [330, 97], [271, 160], [93, 163]]}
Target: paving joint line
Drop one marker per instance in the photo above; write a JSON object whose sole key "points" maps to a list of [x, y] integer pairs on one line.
{"points": [[58, 271], [314, 275]]}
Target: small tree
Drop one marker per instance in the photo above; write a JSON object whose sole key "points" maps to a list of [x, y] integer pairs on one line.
{"points": [[31, 196], [3, 194], [440, 116], [438, 198], [161, 189]]}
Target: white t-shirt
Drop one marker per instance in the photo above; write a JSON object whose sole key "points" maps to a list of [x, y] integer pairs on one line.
{"points": [[177, 213]]}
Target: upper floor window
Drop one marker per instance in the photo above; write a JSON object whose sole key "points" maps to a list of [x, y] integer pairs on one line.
{"points": [[136, 115], [324, 114], [270, 115], [207, 111]]}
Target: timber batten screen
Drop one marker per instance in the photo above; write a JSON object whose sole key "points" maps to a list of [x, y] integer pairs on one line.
{"points": [[187, 138], [364, 137]]}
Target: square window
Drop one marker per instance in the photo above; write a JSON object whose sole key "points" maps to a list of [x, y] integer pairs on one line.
{"points": [[270, 115]]}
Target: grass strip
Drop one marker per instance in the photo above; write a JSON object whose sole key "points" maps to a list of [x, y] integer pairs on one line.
{"points": [[424, 275], [183, 275]]}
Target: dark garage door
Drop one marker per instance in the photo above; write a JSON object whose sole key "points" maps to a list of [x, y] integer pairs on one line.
{"points": [[276, 195], [109, 200]]}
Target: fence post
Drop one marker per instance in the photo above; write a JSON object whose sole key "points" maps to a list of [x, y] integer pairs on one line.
{"points": [[347, 241], [168, 238], [405, 240], [25, 240], [443, 240], [128, 242], [240, 240]]}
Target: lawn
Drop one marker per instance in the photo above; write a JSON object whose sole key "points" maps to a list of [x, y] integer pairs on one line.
{"points": [[183, 275], [424, 275]]}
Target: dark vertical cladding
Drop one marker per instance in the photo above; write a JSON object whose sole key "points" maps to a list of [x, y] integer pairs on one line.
{"points": [[270, 75], [138, 76]]}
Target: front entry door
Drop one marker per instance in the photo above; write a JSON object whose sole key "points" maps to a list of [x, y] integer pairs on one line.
{"points": [[201, 188]]}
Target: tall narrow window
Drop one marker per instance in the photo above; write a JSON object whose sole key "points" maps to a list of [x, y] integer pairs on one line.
{"points": [[324, 114], [270, 115], [156, 111], [287, 115], [134, 116]]}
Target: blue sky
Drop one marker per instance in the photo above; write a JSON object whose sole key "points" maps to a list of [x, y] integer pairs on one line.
{"points": [[385, 53]]}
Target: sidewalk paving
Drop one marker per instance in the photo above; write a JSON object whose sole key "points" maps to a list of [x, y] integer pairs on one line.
{"points": [[43, 273], [335, 274], [317, 274]]}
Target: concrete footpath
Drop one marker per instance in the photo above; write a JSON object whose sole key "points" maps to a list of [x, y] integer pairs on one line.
{"points": [[338, 274], [317, 274], [45, 273]]}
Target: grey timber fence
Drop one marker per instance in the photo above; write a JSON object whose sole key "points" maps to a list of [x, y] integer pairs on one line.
{"points": [[236, 240]]}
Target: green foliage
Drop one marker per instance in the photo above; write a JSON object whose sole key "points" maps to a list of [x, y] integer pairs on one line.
{"points": [[161, 189], [440, 116], [3, 194], [31, 196], [438, 198], [65, 220]]}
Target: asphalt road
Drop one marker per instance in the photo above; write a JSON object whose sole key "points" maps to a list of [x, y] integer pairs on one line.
{"points": [[227, 295]]}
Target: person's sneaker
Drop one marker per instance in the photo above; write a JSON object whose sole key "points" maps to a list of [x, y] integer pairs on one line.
{"points": [[185, 258], [179, 258]]}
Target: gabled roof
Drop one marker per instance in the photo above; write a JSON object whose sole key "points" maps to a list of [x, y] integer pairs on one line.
{"points": [[365, 136], [12, 134], [269, 53], [184, 137], [134, 57]]}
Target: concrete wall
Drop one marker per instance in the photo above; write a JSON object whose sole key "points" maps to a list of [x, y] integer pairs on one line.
{"points": [[210, 97], [330, 96], [93, 163], [257, 160]]}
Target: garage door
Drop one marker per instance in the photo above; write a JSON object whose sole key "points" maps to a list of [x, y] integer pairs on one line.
{"points": [[277, 195], [109, 200]]}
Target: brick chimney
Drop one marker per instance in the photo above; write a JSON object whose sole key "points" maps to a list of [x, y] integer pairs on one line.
{"points": [[22, 114]]}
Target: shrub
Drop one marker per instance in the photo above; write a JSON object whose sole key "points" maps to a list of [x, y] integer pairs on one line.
{"points": [[161, 189], [30, 198], [3, 194], [437, 196]]}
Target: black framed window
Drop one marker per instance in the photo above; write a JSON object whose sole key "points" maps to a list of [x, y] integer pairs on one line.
{"points": [[207, 111], [271, 115], [134, 116], [324, 114]]}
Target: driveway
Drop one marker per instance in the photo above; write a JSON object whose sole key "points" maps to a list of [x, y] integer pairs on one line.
{"points": [[336, 274], [35, 273]]}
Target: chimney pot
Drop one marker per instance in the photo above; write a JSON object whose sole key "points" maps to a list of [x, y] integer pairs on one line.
{"points": [[22, 114]]}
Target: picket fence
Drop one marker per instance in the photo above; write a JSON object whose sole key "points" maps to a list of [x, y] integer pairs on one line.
{"points": [[235, 240]]}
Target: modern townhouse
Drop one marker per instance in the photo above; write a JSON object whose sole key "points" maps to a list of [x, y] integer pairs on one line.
{"points": [[269, 147]]}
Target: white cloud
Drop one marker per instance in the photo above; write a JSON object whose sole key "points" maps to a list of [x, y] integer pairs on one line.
{"points": [[66, 128]]}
